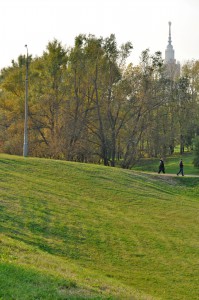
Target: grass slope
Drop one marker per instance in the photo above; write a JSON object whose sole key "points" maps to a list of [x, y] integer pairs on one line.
{"points": [[80, 231], [171, 164]]}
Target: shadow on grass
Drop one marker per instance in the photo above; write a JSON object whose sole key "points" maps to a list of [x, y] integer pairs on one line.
{"points": [[18, 282], [189, 181]]}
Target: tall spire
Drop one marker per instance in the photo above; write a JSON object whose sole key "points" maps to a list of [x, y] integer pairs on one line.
{"points": [[169, 52], [171, 67], [169, 41]]}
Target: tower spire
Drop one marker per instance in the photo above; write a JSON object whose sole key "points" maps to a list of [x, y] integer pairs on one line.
{"points": [[172, 68], [169, 52], [169, 33]]}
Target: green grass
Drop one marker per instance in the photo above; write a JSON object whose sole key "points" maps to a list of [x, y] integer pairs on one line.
{"points": [[80, 231], [171, 164]]}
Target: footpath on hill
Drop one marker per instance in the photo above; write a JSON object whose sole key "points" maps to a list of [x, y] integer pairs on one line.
{"points": [[172, 175]]}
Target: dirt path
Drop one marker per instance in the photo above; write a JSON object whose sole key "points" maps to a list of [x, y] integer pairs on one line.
{"points": [[173, 175]]}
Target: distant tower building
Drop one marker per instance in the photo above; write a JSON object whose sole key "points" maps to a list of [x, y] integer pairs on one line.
{"points": [[172, 68], [169, 52]]}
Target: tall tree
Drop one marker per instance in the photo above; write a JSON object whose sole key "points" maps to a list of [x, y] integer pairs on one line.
{"points": [[48, 97], [12, 95]]}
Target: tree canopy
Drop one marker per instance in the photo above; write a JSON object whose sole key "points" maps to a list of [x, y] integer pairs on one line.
{"points": [[87, 104]]}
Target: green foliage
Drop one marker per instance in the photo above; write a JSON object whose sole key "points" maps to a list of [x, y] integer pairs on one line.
{"points": [[86, 104], [196, 152], [82, 231]]}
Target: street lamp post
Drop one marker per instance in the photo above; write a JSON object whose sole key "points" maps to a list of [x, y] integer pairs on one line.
{"points": [[25, 146]]}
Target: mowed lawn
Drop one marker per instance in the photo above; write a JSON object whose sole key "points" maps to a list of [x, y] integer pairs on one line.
{"points": [[171, 164], [82, 231]]}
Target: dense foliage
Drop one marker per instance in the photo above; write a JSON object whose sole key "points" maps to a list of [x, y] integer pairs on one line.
{"points": [[196, 152], [87, 104]]}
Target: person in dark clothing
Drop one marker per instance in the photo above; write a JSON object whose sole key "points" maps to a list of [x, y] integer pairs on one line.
{"points": [[161, 167], [181, 168]]}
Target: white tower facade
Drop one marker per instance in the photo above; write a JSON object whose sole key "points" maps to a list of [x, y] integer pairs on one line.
{"points": [[169, 52], [172, 68]]}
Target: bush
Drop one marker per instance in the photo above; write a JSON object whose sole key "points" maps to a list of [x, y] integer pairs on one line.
{"points": [[196, 152]]}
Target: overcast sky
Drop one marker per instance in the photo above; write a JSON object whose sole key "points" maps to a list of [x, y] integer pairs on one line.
{"points": [[143, 22]]}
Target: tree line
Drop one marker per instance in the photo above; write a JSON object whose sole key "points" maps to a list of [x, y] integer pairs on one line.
{"points": [[87, 104]]}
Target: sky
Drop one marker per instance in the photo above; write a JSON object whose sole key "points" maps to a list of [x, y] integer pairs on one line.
{"points": [[144, 23]]}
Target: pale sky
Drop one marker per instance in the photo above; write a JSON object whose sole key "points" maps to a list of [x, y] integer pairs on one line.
{"points": [[143, 22]]}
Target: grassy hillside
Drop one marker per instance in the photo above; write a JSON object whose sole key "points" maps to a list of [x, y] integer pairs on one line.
{"points": [[80, 231], [171, 164]]}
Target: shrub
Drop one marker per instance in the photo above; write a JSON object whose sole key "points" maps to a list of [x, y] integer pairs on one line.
{"points": [[196, 152]]}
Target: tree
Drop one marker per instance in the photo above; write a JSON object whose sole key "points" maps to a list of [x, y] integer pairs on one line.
{"points": [[12, 83], [147, 95], [190, 71], [86, 104], [196, 152], [98, 100], [48, 96]]}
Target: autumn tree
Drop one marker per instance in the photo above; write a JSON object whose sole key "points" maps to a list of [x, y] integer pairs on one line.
{"points": [[48, 92], [12, 95], [86, 104]]}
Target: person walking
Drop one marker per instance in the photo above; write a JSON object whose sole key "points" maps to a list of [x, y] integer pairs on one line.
{"points": [[181, 165], [161, 167]]}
